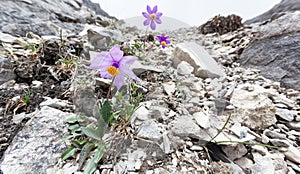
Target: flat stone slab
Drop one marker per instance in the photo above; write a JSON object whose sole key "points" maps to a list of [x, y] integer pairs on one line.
{"points": [[38, 146], [204, 65]]}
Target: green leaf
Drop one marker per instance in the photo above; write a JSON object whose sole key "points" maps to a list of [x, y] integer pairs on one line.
{"points": [[79, 143], [92, 163], [106, 111], [85, 151], [74, 127], [93, 133], [76, 119], [68, 153]]}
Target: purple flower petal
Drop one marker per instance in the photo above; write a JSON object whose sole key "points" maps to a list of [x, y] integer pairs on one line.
{"points": [[126, 71], [146, 15], [119, 80], [146, 22], [158, 15], [128, 60], [149, 9], [116, 53], [157, 20], [167, 42], [104, 74], [152, 25], [154, 9], [97, 61]]}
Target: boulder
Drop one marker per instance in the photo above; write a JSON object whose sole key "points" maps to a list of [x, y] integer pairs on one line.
{"points": [[202, 62], [47, 17], [276, 11], [38, 146], [276, 51]]}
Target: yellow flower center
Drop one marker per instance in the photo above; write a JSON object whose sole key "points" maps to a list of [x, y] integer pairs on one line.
{"points": [[113, 71], [163, 43], [153, 17]]}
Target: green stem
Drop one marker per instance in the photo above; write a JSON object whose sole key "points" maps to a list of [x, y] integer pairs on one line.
{"points": [[220, 129], [247, 143], [145, 38], [109, 90]]}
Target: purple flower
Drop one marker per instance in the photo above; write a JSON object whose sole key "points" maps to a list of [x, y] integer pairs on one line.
{"points": [[163, 40], [114, 64], [151, 17]]}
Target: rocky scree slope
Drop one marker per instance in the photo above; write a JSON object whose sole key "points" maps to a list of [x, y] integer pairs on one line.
{"points": [[186, 101]]}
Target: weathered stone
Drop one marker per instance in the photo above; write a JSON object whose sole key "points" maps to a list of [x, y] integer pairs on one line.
{"points": [[204, 65], [278, 10], [294, 125], [6, 70], [38, 144], [202, 119], [138, 68], [169, 87], [235, 151], [85, 101], [274, 134], [285, 114], [293, 154], [277, 47], [254, 108], [150, 130], [56, 103], [48, 16], [263, 164], [101, 37], [142, 113], [185, 126], [184, 68]]}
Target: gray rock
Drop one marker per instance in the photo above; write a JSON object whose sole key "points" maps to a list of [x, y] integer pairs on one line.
{"points": [[294, 125], [101, 37], [235, 151], [275, 53], [85, 101], [48, 16], [293, 154], [149, 130], [285, 114], [276, 11], [279, 142], [56, 103], [274, 134], [37, 147], [263, 164], [139, 68], [202, 119], [6, 70], [185, 126], [184, 68], [204, 65], [254, 108], [169, 87]]}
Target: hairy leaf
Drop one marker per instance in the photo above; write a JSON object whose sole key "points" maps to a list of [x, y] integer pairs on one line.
{"points": [[93, 133], [92, 163], [106, 111], [68, 153], [85, 151]]}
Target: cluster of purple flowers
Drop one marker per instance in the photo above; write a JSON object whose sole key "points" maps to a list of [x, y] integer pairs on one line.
{"points": [[114, 65], [153, 17]]}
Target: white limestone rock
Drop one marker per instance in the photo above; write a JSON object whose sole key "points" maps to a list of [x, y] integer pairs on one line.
{"points": [[254, 108], [204, 65]]}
